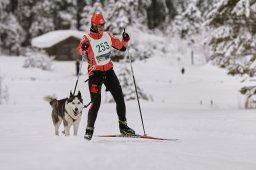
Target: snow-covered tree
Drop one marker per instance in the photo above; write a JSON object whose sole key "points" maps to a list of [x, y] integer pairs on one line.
{"points": [[123, 13], [160, 12], [85, 21], [189, 20], [41, 16], [25, 16], [126, 82], [205, 6], [36, 17], [4, 94], [119, 15], [249, 95], [89, 10], [64, 14], [42, 22], [80, 6], [3, 7], [142, 13], [37, 59], [232, 41], [11, 33]]}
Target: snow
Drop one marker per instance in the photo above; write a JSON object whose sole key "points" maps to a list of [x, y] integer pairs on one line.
{"points": [[242, 8], [219, 136], [51, 38]]}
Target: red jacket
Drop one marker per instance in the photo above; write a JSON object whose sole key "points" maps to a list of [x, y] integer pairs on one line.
{"points": [[115, 42]]}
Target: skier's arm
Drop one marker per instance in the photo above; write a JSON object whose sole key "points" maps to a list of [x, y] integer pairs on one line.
{"points": [[118, 44], [83, 46]]}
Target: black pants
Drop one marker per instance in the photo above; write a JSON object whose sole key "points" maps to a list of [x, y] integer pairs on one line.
{"points": [[110, 80]]}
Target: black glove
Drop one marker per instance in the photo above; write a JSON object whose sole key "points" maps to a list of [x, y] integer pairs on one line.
{"points": [[126, 36], [85, 46]]}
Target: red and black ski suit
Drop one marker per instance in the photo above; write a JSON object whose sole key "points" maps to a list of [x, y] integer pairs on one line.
{"points": [[101, 71]]}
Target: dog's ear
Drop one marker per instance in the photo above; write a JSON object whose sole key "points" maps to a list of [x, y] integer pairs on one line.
{"points": [[71, 94], [79, 94]]}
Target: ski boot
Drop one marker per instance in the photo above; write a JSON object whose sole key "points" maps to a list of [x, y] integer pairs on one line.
{"points": [[88, 133], [124, 129]]}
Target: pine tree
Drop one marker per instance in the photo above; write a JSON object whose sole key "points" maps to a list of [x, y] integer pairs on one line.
{"points": [[141, 17], [38, 59], [42, 21], [11, 33], [124, 13], [89, 10], [25, 16], [119, 15], [4, 94], [3, 16], [80, 6], [126, 82], [41, 16], [233, 36], [1, 90], [85, 21], [160, 13], [189, 20], [64, 14], [205, 6]]}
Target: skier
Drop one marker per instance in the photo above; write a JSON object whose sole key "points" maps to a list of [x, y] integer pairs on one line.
{"points": [[77, 67], [96, 45], [182, 70]]}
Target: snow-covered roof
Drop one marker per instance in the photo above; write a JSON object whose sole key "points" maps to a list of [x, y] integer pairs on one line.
{"points": [[51, 38]]}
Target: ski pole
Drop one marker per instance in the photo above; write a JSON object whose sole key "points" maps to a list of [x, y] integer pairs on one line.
{"points": [[80, 67], [134, 82]]}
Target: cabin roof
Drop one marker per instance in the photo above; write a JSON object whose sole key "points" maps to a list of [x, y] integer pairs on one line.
{"points": [[54, 37]]}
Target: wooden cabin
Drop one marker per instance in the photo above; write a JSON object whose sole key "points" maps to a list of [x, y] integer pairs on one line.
{"points": [[61, 43]]}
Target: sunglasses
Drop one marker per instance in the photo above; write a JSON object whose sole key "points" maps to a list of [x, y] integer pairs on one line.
{"points": [[100, 25]]}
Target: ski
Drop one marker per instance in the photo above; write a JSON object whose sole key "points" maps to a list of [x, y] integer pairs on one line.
{"points": [[137, 136]]}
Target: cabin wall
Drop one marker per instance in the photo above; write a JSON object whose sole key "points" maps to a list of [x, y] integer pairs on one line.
{"points": [[65, 50]]}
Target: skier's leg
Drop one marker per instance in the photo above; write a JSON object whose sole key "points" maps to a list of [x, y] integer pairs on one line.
{"points": [[113, 85], [95, 82], [95, 93]]}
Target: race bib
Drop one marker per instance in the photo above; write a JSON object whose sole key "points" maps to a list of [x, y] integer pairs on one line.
{"points": [[101, 49]]}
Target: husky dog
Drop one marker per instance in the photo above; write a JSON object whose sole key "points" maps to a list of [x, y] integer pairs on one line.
{"points": [[68, 110]]}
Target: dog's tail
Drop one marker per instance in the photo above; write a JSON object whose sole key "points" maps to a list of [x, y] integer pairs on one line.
{"points": [[50, 99]]}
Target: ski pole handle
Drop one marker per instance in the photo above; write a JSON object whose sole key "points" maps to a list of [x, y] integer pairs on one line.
{"points": [[126, 36]]}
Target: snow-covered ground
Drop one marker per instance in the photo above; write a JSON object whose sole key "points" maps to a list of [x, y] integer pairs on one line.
{"points": [[200, 108]]}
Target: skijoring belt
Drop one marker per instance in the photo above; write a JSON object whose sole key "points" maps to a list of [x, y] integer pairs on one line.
{"points": [[96, 68], [105, 67]]}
